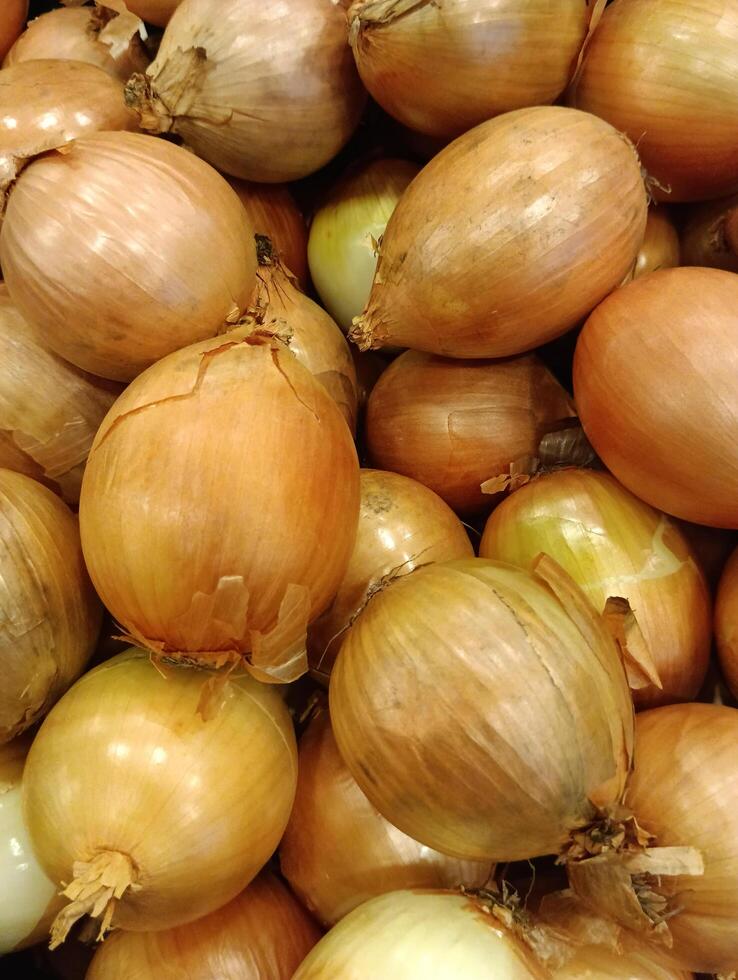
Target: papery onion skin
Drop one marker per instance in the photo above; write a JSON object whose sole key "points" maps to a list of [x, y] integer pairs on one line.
{"points": [[704, 236], [49, 614], [537, 216], [612, 544], [461, 681], [156, 12], [654, 384], [665, 75], [286, 94], [345, 232], [726, 623], [660, 247], [125, 765], [264, 932], [12, 21], [402, 526], [111, 285], [272, 212], [452, 424]]}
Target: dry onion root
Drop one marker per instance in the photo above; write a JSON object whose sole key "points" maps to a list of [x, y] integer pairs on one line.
{"points": [[272, 212]]}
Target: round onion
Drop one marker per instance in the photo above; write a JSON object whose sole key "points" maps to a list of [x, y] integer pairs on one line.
{"points": [[613, 545], [402, 526], [49, 614], [726, 623], [654, 383], [664, 74], [705, 238], [147, 815], [49, 410], [273, 213], [155, 12], [12, 22], [263, 933], [208, 539], [460, 685], [451, 425], [112, 286], [272, 104], [345, 231], [660, 247], [536, 216]]}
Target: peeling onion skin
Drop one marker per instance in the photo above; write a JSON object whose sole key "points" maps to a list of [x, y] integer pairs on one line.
{"points": [[12, 22], [668, 435], [726, 623], [272, 211], [112, 294]]}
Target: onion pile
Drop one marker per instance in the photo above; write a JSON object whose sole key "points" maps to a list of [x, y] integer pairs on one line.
{"points": [[726, 622], [710, 237], [272, 212], [660, 247], [12, 21]]}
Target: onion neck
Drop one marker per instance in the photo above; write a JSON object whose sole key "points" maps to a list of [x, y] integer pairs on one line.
{"points": [[95, 890]]}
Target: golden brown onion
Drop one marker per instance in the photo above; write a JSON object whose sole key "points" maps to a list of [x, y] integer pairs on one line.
{"points": [[139, 249], [726, 623], [272, 212], [660, 247], [704, 236], [451, 425], [654, 383], [508, 237], [272, 104], [49, 613], [155, 12], [220, 503], [12, 21]]}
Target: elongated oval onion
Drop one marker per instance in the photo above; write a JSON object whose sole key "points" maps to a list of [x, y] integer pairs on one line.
{"points": [[613, 545], [705, 239], [12, 22], [654, 383], [147, 814], [460, 682], [272, 212], [451, 425], [156, 12], [208, 539], [346, 230], [442, 69], [49, 614], [537, 216], [665, 74], [263, 933], [660, 246], [726, 622], [402, 525], [271, 104], [112, 286], [49, 410]]}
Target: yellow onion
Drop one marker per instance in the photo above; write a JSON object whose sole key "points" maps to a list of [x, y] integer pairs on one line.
{"points": [[220, 503], [705, 238], [654, 383], [12, 22], [155, 12], [402, 526], [452, 425], [615, 546], [726, 622], [120, 248], [49, 410], [536, 216], [272, 212], [441, 69], [263, 933], [664, 74], [346, 230], [338, 852], [484, 709], [49, 614], [272, 103], [147, 815], [78, 34], [660, 246]]}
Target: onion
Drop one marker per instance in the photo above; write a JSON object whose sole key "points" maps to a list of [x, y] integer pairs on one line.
{"points": [[420, 935], [147, 815], [660, 248], [113, 287], [155, 12], [452, 425], [273, 213], [12, 22], [726, 623], [207, 539], [345, 231], [483, 709], [263, 933], [654, 382], [615, 546], [705, 239], [49, 615], [369, 368], [665, 75], [402, 526], [272, 104]]}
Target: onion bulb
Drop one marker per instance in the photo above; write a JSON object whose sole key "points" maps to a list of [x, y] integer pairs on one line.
{"points": [[452, 425], [536, 216], [49, 410], [111, 286], [12, 22], [613, 545], [660, 247], [345, 234], [49, 614], [210, 540], [705, 236], [654, 383], [402, 526], [263, 933], [272, 103], [726, 623], [147, 815], [272, 212], [665, 75], [155, 12], [484, 709]]}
